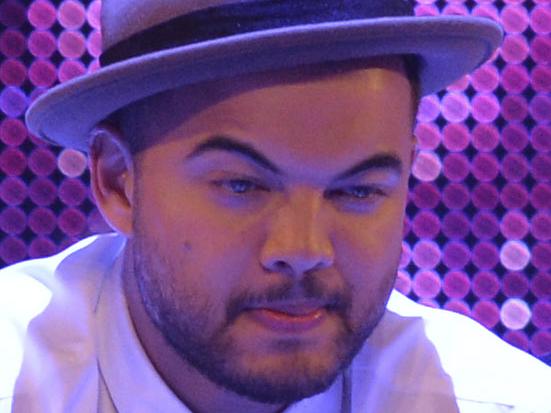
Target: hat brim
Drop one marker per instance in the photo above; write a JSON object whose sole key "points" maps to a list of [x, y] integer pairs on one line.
{"points": [[449, 47]]}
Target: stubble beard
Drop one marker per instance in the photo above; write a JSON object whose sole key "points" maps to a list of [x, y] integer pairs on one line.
{"points": [[186, 323]]}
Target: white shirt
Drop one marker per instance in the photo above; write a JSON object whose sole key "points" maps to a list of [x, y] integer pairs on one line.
{"points": [[67, 345]]}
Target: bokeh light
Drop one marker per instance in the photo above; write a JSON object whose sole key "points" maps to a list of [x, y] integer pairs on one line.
{"points": [[515, 314]]}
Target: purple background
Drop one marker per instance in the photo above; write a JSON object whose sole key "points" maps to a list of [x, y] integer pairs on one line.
{"points": [[478, 228]]}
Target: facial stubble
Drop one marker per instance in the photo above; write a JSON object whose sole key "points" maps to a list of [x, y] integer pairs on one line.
{"points": [[190, 325]]}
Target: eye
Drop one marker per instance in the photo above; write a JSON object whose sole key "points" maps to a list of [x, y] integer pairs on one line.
{"points": [[357, 193], [240, 186]]}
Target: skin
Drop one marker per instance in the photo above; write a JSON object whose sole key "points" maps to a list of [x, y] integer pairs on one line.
{"points": [[218, 240]]}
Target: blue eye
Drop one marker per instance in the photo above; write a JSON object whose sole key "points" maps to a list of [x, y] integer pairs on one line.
{"points": [[357, 192], [239, 186]]}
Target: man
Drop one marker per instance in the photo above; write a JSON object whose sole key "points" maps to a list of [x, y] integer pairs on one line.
{"points": [[253, 159]]}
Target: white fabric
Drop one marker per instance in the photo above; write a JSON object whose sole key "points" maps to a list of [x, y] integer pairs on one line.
{"points": [[67, 345]]}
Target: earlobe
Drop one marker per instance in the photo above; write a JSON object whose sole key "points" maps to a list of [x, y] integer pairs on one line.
{"points": [[112, 176]]}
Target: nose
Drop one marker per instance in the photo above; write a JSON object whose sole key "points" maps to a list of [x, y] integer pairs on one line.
{"points": [[298, 240]]}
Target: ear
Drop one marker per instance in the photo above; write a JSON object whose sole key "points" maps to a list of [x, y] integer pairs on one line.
{"points": [[112, 176]]}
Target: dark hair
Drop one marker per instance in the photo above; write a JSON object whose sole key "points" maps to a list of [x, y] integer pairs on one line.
{"points": [[412, 66]]}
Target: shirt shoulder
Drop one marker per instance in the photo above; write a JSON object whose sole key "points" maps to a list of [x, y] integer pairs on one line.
{"points": [[46, 320], [483, 368], [28, 287]]}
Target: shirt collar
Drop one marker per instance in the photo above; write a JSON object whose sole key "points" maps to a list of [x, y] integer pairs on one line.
{"points": [[133, 382]]}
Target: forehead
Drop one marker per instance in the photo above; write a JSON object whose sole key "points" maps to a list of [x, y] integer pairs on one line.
{"points": [[153, 118]]}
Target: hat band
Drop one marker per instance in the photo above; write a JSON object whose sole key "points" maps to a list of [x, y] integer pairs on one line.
{"points": [[245, 17]]}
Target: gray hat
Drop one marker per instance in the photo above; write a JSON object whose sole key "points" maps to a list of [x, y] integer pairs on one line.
{"points": [[155, 45]]}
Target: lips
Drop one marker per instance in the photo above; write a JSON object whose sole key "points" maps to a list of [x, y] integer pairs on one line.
{"points": [[289, 317]]}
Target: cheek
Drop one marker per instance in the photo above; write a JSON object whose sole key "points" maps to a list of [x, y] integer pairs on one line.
{"points": [[208, 251], [372, 240], [368, 251], [370, 272], [368, 259]]}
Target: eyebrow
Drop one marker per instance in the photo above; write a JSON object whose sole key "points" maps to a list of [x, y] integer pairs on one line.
{"points": [[223, 143], [379, 161]]}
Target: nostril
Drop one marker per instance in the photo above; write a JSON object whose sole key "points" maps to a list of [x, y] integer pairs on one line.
{"points": [[281, 265], [278, 266], [295, 267]]}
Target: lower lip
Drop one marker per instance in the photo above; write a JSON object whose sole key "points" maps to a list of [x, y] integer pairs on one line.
{"points": [[288, 323]]}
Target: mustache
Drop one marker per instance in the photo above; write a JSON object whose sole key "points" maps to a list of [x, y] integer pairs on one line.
{"points": [[310, 287]]}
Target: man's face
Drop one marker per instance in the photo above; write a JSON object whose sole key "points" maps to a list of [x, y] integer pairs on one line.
{"points": [[267, 225]]}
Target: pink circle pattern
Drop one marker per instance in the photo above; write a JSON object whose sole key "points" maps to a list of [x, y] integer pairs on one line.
{"points": [[478, 227]]}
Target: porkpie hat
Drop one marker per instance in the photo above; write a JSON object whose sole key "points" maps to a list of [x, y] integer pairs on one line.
{"points": [[150, 46]]}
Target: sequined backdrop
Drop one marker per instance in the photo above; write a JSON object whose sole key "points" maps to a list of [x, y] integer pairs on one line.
{"points": [[478, 227]]}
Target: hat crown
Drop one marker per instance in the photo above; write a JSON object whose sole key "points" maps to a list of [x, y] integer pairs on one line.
{"points": [[197, 20], [120, 19]]}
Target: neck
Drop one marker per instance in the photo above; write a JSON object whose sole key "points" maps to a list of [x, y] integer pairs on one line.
{"points": [[197, 392]]}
